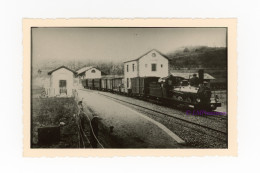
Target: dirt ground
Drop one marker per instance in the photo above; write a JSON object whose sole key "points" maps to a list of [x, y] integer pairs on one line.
{"points": [[48, 112], [130, 128]]}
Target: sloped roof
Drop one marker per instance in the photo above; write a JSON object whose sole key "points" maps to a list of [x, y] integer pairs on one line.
{"points": [[84, 69], [136, 59], [49, 73], [189, 75]]}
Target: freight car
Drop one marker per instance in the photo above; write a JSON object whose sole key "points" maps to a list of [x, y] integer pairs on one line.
{"points": [[117, 84], [109, 84], [97, 84], [139, 85], [112, 83], [103, 84], [106, 83], [84, 83], [90, 83]]}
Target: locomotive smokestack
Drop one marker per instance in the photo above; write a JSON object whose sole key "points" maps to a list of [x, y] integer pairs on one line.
{"points": [[201, 75]]}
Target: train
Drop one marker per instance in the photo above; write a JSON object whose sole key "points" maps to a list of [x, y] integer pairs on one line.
{"points": [[171, 89], [111, 83]]}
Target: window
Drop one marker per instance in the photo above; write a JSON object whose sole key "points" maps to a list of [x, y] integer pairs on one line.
{"points": [[133, 67], [127, 82], [153, 67], [93, 71], [62, 83], [153, 55], [161, 66], [127, 68], [145, 65]]}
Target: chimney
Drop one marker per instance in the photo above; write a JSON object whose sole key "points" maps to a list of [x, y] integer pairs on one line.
{"points": [[201, 75]]}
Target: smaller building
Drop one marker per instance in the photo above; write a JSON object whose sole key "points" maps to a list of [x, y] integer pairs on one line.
{"points": [[89, 73], [62, 82]]}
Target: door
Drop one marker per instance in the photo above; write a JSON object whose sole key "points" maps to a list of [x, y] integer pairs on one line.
{"points": [[63, 86]]}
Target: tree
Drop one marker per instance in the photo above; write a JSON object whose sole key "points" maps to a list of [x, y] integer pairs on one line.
{"points": [[186, 50]]}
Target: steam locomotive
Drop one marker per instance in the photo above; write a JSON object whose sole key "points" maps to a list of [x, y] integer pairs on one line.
{"points": [[171, 89]]}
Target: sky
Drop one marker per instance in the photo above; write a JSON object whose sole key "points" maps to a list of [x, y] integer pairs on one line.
{"points": [[117, 44]]}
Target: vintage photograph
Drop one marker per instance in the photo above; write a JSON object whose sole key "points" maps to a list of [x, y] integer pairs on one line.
{"points": [[129, 87]]}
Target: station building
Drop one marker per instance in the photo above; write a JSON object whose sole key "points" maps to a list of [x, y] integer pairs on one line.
{"points": [[150, 64]]}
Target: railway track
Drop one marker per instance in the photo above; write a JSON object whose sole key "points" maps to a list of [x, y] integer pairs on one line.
{"points": [[216, 115], [213, 117], [200, 128]]}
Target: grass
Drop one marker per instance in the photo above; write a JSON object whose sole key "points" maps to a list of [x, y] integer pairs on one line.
{"points": [[50, 112]]}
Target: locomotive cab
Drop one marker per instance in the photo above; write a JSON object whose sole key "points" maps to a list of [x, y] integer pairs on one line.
{"points": [[169, 83]]}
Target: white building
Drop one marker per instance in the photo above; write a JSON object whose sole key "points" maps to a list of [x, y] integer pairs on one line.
{"points": [[151, 64], [89, 73], [62, 82]]}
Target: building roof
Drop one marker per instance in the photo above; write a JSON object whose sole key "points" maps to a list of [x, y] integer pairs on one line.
{"points": [[189, 75], [136, 59], [84, 69], [49, 73]]}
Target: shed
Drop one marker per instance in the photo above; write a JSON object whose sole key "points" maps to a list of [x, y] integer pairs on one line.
{"points": [[62, 81], [89, 73]]}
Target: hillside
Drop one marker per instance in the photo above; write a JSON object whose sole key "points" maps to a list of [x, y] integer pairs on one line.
{"points": [[187, 58], [198, 57]]}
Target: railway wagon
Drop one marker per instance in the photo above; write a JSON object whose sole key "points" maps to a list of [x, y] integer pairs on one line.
{"points": [[140, 85], [90, 83], [162, 87], [97, 84], [104, 84], [84, 83], [155, 90], [109, 84], [117, 83]]}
